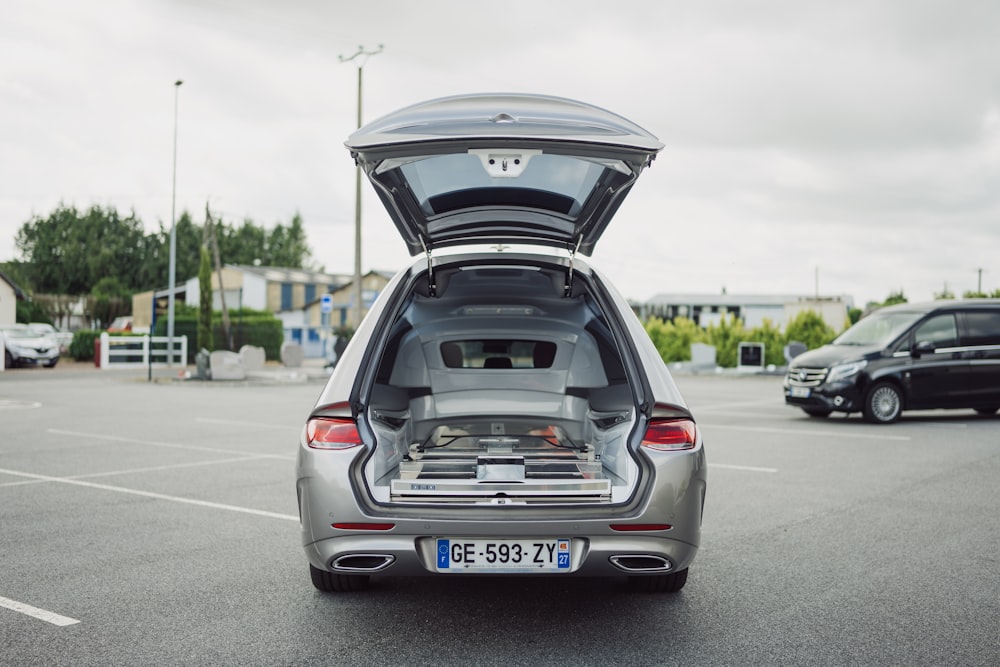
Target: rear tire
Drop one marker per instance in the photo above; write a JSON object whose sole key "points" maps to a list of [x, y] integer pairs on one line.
{"points": [[883, 403], [819, 413], [332, 582], [659, 583], [986, 411]]}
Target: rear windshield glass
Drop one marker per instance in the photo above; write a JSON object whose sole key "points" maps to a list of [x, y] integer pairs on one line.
{"points": [[494, 354], [878, 329], [557, 183]]}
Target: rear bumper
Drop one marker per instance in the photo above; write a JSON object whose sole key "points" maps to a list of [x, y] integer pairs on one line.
{"points": [[413, 555]]}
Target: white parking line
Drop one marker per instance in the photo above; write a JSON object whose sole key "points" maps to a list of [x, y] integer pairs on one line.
{"points": [[747, 468], [153, 443], [35, 612], [174, 466], [150, 494], [852, 435], [234, 422]]}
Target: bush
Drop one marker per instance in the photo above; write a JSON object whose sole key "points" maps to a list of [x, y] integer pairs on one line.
{"points": [[82, 346], [673, 339], [810, 328], [247, 327], [726, 337], [773, 339]]}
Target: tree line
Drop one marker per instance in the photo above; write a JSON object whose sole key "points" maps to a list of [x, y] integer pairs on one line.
{"points": [[71, 250]]}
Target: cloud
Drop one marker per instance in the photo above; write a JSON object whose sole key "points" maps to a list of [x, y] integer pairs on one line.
{"points": [[859, 138]]}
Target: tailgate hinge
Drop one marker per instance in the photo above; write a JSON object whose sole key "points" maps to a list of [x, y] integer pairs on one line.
{"points": [[431, 285], [568, 287]]}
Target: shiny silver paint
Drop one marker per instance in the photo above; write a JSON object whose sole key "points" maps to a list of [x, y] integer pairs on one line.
{"points": [[419, 161]]}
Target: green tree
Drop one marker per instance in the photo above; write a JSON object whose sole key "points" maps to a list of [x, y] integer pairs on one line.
{"points": [[108, 300], [205, 302], [894, 298], [970, 294], [944, 294], [809, 328], [69, 250], [287, 245]]}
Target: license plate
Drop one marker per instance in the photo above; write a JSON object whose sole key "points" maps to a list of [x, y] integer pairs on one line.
{"points": [[799, 392], [504, 555]]}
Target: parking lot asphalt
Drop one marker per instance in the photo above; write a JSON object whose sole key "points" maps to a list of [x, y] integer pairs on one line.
{"points": [[156, 523]]}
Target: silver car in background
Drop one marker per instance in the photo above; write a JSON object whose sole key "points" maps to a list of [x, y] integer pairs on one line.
{"points": [[501, 410], [25, 347]]}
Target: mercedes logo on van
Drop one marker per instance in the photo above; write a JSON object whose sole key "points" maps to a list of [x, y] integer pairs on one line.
{"points": [[803, 375]]}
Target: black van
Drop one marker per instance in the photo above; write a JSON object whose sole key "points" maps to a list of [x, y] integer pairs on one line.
{"points": [[944, 354]]}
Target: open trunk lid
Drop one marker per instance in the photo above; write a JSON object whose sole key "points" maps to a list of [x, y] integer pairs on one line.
{"points": [[502, 168]]}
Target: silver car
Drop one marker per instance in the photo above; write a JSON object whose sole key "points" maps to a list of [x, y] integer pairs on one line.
{"points": [[501, 410], [23, 347]]}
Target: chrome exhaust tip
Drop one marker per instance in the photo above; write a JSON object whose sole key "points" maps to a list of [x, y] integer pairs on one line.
{"points": [[641, 563], [362, 562]]}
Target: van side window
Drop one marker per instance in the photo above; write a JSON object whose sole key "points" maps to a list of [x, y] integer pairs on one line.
{"points": [[939, 330], [982, 328]]}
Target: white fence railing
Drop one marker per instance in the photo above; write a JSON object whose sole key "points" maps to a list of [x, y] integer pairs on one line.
{"points": [[135, 351]]}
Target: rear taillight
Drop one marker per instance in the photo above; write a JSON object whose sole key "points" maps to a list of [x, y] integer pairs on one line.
{"points": [[670, 435], [332, 433]]}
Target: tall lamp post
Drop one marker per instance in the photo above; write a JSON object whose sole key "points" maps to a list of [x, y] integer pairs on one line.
{"points": [[172, 271], [363, 55]]}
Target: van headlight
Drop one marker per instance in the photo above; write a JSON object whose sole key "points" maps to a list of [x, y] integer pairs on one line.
{"points": [[845, 371]]}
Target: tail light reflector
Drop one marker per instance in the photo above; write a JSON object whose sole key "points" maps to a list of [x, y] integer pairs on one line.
{"points": [[640, 526], [670, 435], [364, 526], [332, 433]]}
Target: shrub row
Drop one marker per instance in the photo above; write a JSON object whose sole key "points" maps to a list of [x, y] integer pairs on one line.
{"points": [[673, 339]]}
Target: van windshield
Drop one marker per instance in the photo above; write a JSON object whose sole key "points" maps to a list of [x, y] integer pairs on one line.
{"points": [[877, 329]]}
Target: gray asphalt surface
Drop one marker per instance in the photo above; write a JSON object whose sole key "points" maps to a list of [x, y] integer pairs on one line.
{"points": [[158, 521]]}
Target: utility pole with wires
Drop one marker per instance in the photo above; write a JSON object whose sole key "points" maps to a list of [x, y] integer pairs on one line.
{"points": [[363, 55]]}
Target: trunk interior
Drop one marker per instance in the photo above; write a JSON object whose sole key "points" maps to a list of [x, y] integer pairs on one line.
{"points": [[498, 387]]}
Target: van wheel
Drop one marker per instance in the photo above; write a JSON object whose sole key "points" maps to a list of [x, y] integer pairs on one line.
{"points": [[986, 411], [659, 583], [883, 404], [332, 582], [817, 412]]}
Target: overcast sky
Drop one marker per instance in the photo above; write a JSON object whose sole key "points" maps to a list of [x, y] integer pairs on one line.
{"points": [[853, 142]]}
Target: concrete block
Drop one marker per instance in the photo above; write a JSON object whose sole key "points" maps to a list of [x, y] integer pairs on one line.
{"points": [[292, 355], [226, 365]]}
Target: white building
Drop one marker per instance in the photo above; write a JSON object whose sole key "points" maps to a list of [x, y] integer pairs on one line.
{"points": [[750, 309]]}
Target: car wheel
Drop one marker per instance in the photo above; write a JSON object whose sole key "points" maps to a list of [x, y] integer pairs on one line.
{"points": [[8, 360], [883, 404], [986, 411], [659, 583], [53, 364], [817, 412], [332, 582]]}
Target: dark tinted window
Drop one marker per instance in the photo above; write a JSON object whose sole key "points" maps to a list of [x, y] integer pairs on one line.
{"points": [[498, 354], [982, 328], [939, 330]]}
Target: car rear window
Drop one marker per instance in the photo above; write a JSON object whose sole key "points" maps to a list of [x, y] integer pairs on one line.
{"points": [[498, 354]]}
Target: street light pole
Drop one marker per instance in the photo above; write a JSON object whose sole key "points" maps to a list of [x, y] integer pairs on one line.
{"points": [[172, 271], [364, 55]]}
